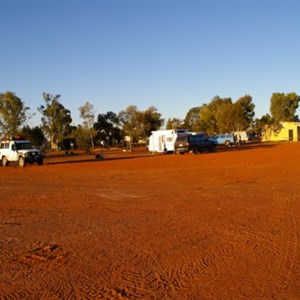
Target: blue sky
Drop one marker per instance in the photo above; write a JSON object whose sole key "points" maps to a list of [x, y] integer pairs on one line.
{"points": [[173, 55]]}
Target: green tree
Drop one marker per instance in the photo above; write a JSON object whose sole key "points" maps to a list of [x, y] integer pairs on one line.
{"points": [[87, 113], [191, 120], [35, 135], [128, 121], [283, 106], [221, 115], [207, 119], [260, 125], [148, 120], [12, 113], [175, 123], [82, 137], [212, 115], [139, 124], [107, 127], [237, 116], [56, 119], [266, 126]]}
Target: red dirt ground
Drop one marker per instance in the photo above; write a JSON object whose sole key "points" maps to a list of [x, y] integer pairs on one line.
{"points": [[221, 225]]}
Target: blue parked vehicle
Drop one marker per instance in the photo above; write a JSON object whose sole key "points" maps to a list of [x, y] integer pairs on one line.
{"points": [[226, 139], [195, 143]]}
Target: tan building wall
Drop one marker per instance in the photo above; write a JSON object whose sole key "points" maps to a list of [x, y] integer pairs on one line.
{"points": [[289, 131]]}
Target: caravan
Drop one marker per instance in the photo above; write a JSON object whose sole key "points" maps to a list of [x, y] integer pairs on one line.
{"points": [[163, 141]]}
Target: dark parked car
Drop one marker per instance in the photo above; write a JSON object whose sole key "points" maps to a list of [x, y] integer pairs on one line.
{"points": [[195, 143]]}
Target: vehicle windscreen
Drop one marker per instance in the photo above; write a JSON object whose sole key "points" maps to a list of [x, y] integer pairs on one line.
{"points": [[181, 139], [24, 146], [198, 138]]}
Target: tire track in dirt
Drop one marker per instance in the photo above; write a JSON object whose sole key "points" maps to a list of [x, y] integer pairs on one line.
{"points": [[143, 279], [55, 286], [274, 254], [132, 274], [170, 273], [291, 252], [35, 265], [110, 263], [233, 248], [124, 282]]}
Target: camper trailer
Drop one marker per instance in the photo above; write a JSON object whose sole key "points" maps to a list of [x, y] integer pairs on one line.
{"points": [[163, 141]]}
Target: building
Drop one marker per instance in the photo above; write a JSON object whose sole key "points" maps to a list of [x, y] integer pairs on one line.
{"points": [[286, 131]]}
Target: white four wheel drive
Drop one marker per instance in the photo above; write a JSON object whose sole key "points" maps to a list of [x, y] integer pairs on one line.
{"points": [[20, 151]]}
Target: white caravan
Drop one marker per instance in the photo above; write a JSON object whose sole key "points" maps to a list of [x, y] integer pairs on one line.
{"points": [[163, 141]]}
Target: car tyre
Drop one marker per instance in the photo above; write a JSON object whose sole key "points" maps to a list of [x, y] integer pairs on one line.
{"points": [[4, 161], [195, 150], [21, 162]]}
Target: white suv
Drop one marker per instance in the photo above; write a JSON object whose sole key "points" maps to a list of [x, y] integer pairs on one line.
{"points": [[21, 151]]}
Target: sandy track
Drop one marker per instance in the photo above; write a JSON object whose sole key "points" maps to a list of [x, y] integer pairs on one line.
{"points": [[221, 225]]}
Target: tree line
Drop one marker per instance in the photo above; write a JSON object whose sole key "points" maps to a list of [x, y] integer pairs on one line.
{"points": [[220, 115], [107, 129]]}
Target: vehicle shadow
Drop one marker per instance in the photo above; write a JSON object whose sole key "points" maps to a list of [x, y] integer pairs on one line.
{"points": [[112, 156], [90, 159], [245, 147]]}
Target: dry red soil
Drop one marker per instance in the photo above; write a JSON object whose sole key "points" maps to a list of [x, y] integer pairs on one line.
{"points": [[221, 225]]}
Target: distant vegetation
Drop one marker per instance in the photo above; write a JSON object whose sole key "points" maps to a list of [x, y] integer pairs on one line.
{"points": [[220, 115]]}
